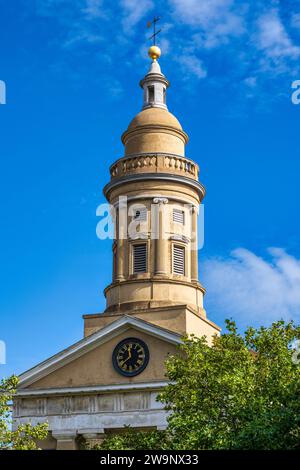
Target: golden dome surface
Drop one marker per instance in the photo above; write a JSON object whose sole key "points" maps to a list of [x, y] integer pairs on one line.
{"points": [[155, 116]]}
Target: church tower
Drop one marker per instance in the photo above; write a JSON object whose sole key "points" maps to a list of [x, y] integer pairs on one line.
{"points": [[155, 191], [112, 376]]}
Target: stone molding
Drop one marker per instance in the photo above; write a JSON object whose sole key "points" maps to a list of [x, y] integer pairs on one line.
{"points": [[157, 128], [86, 404], [155, 176], [30, 392], [92, 415]]}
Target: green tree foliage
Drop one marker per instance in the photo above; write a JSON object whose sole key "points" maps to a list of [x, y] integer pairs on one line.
{"points": [[129, 439], [243, 392], [24, 437]]}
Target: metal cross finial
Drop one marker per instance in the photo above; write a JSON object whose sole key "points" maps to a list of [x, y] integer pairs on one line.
{"points": [[155, 33]]}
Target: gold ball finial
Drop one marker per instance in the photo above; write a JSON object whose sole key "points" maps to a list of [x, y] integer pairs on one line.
{"points": [[154, 52]]}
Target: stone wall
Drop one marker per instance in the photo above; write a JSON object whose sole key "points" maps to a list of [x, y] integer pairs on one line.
{"points": [[71, 417]]}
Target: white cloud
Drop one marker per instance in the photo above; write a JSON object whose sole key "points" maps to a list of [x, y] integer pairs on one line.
{"points": [[248, 40], [295, 21], [93, 9], [217, 19], [134, 11], [192, 65], [79, 19], [251, 289], [114, 87], [251, 82], [82, 35], [273, 39]]}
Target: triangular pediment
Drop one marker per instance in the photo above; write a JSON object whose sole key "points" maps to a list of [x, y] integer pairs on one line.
{"points": [[79, 357]]}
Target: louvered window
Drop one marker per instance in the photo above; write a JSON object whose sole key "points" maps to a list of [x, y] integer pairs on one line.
{"points": [[178, 216], [141, 214], [140, 258], [178, 259]]}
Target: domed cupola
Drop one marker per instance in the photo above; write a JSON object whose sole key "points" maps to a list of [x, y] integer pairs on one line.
{"points": [[154, 129], [155, 83]]}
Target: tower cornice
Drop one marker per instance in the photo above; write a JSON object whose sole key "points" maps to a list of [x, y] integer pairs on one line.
{"points": [[157, 77], [155, 176], [147, 128]]}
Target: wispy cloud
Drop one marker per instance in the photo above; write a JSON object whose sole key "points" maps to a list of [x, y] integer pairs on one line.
{"points": [[251, 82], [240, 43], [295, 20], [93, 9], [133, 11], [251, 289], [79, 19], [192, 64], [274, 41], [217, 20]]}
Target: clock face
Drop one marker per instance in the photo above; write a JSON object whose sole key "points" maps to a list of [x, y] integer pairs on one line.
{"points": [[130, 357]]}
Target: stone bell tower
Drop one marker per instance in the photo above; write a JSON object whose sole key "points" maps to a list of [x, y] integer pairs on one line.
{"points": [[156, 193], [112, 376]]}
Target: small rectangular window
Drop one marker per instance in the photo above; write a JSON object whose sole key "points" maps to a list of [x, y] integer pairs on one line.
{"points": [[164, 96], [140, 258], [140, 214], [151, 94], [178, 259], [178, 216]]}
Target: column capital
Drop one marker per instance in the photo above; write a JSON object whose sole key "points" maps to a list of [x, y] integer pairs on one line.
{"points": [[65, 439], [160, 200], [64, 435], [92, 433]]}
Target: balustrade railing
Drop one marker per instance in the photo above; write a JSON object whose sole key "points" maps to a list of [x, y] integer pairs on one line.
{"points": [[154, 163]]}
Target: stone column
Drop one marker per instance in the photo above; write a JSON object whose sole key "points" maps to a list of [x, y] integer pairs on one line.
{"points": [[161, 245], [194, 246], [120, 260], [121, 231], [93, 437], [65, 440]]}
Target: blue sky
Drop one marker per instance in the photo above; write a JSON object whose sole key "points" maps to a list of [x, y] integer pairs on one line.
{"points": [[72, 71]]}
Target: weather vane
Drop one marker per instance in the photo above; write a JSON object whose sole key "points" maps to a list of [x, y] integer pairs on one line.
{"points": [[154, 51], [155, 33]]}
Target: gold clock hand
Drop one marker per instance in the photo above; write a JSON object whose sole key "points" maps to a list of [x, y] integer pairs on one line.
{"points": [[129, 355], [126, 360]]}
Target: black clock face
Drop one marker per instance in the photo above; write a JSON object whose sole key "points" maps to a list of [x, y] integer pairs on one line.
{"points": [[130, 357]]}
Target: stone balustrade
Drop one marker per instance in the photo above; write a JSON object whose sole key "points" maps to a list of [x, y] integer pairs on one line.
{"points": [[154, 163]]}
